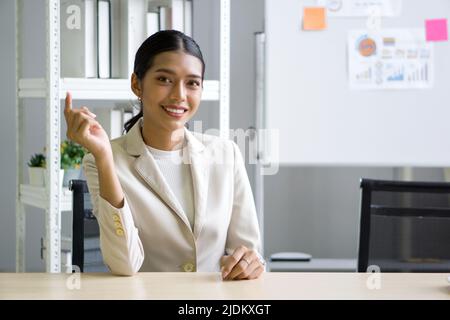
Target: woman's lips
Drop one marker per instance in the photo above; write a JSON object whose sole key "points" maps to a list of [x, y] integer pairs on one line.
{"points": [[174, 114]]}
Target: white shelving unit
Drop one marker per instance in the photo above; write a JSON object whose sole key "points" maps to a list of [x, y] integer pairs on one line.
{"points": [[98, 89], [36, 197], [52, 198]]}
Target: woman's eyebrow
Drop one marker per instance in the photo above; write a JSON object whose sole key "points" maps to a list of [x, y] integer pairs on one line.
{"points": [[169, 71]]}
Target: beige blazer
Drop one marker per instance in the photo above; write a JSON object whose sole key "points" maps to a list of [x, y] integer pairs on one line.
{"points": [[151, 232]]}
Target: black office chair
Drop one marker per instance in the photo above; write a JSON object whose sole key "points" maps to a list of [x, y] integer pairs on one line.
{"points": [[404, 226], [86, 252]]}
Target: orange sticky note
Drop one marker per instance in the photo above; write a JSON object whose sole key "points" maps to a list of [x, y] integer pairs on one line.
{"points": [[314, 18]]}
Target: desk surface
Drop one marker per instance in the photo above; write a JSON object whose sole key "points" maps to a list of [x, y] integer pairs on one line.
{"points": [[209, 286]]}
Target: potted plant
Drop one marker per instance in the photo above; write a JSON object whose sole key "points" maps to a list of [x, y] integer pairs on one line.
{"points": [[71, 156], [36, 169]]}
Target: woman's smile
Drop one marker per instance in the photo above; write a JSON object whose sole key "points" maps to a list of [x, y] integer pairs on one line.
{"points": [[175, 111]]}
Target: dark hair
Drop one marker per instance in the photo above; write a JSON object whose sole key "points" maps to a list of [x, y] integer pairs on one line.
{"points": [[162, 41]]}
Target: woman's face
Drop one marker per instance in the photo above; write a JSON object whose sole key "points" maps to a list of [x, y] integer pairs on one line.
{"points": [[171, 90]]}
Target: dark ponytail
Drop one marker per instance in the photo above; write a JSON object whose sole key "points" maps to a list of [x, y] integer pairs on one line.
{"points": [[162, 41]]}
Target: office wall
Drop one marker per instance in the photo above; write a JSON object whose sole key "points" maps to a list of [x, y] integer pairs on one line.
{"points": [[7, 127], [33, 66], [247, 18]]}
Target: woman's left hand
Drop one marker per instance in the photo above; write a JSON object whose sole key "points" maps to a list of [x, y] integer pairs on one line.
{"points": [[243, 264]]}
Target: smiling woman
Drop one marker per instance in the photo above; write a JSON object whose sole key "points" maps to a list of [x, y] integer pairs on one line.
{"points": [[164, 199], [170, 93], [168, 75]]}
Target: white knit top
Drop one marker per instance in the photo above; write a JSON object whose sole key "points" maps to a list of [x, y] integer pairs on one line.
{"points": [[177, 175]]}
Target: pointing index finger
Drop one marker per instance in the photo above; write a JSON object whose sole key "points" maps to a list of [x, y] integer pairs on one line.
{"points": [[68, 106]]}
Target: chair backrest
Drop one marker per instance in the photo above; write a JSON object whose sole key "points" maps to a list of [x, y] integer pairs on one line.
{"points": [[404, 226], [86, 254]]}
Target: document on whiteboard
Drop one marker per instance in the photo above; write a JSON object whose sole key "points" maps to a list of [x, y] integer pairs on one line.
{"points": [[389, 59], [361, 8]]}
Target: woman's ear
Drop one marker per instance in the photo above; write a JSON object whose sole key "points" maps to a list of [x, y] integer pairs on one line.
{"points": [[136, 85]]}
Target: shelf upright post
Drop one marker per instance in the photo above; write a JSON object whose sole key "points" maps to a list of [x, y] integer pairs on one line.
{"points": [[261, 125], [20, 210], [224, 69], [53, 189]]}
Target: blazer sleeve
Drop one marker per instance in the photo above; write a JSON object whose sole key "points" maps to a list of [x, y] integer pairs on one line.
{"points": [[243, 228], [119, 240]]}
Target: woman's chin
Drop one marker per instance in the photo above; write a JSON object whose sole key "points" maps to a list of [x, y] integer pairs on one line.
{"points": [[176, 125]]}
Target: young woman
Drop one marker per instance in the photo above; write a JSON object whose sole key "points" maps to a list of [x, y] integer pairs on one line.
{"points": [[166, 198]]}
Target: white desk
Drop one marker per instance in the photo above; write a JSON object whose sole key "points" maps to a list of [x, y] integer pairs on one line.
{"points": [[314, 265], [209, 286]]}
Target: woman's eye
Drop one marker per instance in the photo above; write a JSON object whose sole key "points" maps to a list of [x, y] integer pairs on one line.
{"points": [[164, 79], [194, 83]]}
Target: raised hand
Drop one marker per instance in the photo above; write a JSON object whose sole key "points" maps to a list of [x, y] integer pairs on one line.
{"points": [[83, 129]]}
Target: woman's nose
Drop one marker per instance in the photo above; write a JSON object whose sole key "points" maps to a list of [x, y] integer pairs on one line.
{"points": [[178, 92]]}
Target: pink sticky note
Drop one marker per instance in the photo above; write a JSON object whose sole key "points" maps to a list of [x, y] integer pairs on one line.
{"points": [[436, 30]]}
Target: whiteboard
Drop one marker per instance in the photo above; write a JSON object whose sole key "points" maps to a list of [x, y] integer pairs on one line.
{"points": [[320, 121]]}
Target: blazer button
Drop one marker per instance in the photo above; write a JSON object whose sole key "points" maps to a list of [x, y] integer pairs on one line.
{"points": [[119, 232], [118, 224], [188, 267], [115, 217]]}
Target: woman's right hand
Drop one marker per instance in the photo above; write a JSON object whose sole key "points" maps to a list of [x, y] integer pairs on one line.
{"points": [[83, 129]]}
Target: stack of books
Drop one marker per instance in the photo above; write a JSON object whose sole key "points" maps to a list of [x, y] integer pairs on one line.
{"points": [[85, 38]]}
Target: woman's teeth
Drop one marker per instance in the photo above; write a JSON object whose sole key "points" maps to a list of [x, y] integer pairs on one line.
{"points": [[174, 110]]}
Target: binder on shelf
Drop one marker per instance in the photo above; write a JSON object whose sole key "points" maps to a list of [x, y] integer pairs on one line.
{"points": [[152, 23], [104, 38], [164, 18], [78, 38], [188, 17], [116, 45], [133, 32], [177, 18], [173, 14]]}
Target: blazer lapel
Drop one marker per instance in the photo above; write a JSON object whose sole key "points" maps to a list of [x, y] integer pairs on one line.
{"points": [[148, 169], [200, 177]]}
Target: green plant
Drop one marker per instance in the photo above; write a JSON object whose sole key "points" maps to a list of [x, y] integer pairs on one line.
{"points": [[71, 155], [37, 161]]}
